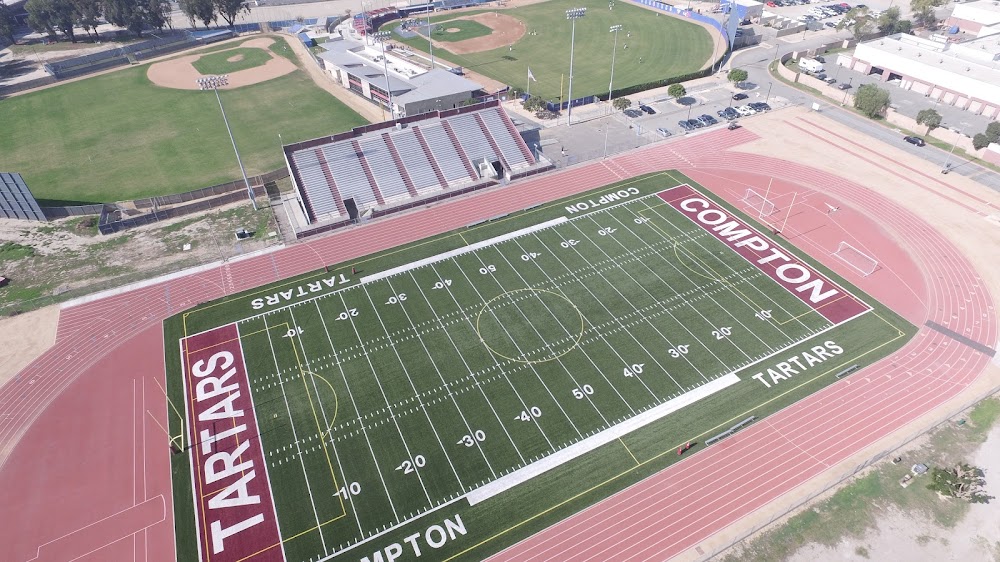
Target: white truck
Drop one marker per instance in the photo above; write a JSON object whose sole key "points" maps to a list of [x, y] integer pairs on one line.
{"points": [[811, 66]]}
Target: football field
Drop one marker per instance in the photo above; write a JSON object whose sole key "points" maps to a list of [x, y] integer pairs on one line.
{"points": [[426, 400]]}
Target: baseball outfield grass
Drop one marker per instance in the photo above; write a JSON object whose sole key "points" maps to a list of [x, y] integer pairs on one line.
{"points": [[650, 47], [117, 136]]}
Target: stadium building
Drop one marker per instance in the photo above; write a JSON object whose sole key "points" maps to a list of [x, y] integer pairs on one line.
{"points": [[965, 75], [369, 73], [383, 168]]}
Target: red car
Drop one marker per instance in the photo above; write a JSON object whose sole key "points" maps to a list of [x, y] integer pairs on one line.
{"points": [[770, 5]]}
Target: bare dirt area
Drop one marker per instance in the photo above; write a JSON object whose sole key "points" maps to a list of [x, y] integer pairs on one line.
{"points": [[180, 74], [507, 30], [26, 337], [235, 58], [63, 259]]}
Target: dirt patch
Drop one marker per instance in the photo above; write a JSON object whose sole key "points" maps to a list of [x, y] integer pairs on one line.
{"points": [[26, 337], [235, 58], [180, 74], [507, 30], [452, 30]]}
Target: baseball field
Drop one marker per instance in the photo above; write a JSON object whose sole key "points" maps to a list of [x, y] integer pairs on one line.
{"points": [[120, 136], [650, 46]]}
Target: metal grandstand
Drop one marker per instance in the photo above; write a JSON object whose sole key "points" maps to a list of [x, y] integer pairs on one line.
{"points": [[16, 202], [376, 169]]}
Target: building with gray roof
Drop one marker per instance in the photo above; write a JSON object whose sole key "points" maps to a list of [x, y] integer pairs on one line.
{"points": [[414, 87]]}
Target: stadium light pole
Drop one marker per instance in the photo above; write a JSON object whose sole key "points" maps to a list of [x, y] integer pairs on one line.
{"points": [[382, 37], [614, 29], [430, 46], [572, 14], [213, 83]]}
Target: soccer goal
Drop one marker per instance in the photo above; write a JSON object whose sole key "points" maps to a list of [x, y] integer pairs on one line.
{"points": [[757, 202], [865, 264]]}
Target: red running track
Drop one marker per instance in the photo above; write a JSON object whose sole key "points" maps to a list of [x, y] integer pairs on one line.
{"points": [[85, 472]]}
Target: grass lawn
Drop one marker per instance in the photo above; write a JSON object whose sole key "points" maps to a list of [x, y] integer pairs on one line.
{"points": [[467, 29], [218, 63], [667, 46], [117, 136]]}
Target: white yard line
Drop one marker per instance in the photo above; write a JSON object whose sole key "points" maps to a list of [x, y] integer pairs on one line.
{"points": [[591, 443], [364, 430], [291, 423], [459, 251]]}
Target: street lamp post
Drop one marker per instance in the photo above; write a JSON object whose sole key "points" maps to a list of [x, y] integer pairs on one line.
{"points": [[213, 83], [768, 96], [382, 37], [614, 29], [947, 161], [572, 14], [850, 81]]}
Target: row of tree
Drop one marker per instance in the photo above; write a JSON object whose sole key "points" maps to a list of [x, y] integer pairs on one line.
{"points": [[64, 16]]}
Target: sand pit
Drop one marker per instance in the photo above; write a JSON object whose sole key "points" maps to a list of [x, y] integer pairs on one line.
{"points": [[180, 74], [507, 30]]}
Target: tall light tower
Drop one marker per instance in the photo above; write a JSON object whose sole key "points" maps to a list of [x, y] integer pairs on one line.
{"points": [[430, 44], [382, 37], [572, 15], [614, 29], [213, 83]]}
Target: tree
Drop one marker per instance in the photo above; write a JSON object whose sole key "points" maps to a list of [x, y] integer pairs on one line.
{"points": [[534, 103], [980, 141], [930, 118], [963, 482], [41, 16], [156, 13], [993, 132], [129, 14], [862, 24], [64, 18], [199, 10], [676, 91], [888, 22], [738, 76], [872, 100], [88, 14], [621, 104], [229, 9], [923, 11], [7, 23]]}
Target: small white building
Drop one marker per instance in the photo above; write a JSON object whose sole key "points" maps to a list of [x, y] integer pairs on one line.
{"points": [[980, 18], [964, 75]]}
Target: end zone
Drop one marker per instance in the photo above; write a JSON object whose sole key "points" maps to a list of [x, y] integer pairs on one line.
{"points": [[811, 287], [235, 517]]}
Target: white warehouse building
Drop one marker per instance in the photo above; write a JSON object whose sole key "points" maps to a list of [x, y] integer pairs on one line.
{"points": [[980, 18], [964, 75]]}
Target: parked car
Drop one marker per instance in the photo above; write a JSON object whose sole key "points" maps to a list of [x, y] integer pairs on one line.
{"points": [[708, 120], [633, 113], [740, 96], [844, 86], [917, 141], [830, 24], [729, 113], [647, 109], [820, 59], [830, 80], [760, 106], [684, 125], [695, 123], [663, 132], [745, 110]]}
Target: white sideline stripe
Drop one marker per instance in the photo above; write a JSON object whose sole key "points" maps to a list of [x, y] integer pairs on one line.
{"points": [[168, 277], [581, 448], [460, 251]]}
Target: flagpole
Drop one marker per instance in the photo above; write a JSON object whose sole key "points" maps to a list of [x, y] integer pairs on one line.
{"points": [[529, 81]]}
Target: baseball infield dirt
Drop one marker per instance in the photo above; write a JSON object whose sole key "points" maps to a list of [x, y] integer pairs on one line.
{"points": [[180, 74], [507, 30]]}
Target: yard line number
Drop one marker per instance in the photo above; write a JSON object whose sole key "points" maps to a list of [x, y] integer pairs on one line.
{"points": [[585, 390], [635, 369], [470, 440], [442, 284], [396, 299], [349, 313], [410, 465], [723, 332], [529, 414], [351, 489], [488, 269]]}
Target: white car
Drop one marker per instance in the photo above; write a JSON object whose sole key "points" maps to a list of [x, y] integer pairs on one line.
{"points": [[745, 110]]}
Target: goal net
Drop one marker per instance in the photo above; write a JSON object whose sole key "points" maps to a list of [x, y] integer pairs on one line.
{"points": [[862, 262], [757, 202]]}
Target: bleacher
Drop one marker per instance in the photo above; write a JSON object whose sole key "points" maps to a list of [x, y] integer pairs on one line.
{"points": [[386, 165], [456, 4]]}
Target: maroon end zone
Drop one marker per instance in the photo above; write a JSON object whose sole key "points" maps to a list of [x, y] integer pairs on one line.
{"points": [[824, 296], [235, 515]]}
